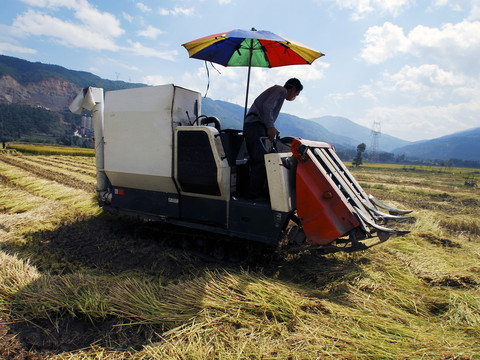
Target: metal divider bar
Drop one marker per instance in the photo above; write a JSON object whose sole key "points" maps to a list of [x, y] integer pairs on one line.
{"points": [[343, 180]]}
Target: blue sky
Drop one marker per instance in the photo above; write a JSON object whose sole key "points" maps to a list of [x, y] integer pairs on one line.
{"points": [[411, 66]]}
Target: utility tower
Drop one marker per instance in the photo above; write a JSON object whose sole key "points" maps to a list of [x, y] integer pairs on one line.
{"points": [[373, 155]]}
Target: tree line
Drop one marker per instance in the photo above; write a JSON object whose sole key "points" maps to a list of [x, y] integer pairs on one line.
{"points": [[357, 158]]}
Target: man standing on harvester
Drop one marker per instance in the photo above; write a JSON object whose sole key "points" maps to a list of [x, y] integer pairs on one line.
{"points": [[260, 122]]}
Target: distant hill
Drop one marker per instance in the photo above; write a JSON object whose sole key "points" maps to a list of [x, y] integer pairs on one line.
{"points": [[463, 145], [52, 88], [231, 116], [290, 125], [359, 134]]}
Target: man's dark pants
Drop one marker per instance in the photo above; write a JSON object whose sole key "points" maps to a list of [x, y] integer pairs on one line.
{"points": [[252, 133]]}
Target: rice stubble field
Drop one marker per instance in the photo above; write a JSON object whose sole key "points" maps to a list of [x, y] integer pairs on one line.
{"points": [[78, 283]]}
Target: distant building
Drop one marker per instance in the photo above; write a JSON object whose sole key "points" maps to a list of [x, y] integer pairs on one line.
{"points": [[87, 126]]}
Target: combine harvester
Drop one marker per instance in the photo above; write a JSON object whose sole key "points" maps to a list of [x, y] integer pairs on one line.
{"points": [[157, 158]]}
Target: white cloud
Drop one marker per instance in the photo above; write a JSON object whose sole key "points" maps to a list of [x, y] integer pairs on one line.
{"points": [[150, 32], [157, 80], [369, 92], [123, 69], [306, 73], [129, 67], [85, 12], [383, 43], [424, 102], [226, 83], [456, 45], [127, 16], [176, 11], [338, 97], [97, 21], [393, 7], [33, 23], [427, 122], [425, 83], [426, 88], [14, 49], [143, 7], [362, 8], [138, 49], [51, 3], [455, 5], [94, 29], [474, 13]]}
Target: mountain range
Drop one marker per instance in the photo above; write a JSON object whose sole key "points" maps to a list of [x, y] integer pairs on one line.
{"points": [[53, 87], [463, 145], [347, 135]]}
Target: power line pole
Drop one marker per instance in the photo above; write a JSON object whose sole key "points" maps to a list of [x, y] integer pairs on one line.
{"points": [[375, 138]]}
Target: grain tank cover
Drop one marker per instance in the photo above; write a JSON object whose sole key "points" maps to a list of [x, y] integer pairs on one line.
{"points": [[138, 134]]}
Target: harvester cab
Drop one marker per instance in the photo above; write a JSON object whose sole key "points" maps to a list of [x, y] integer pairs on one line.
{"points": [[158, 158]]}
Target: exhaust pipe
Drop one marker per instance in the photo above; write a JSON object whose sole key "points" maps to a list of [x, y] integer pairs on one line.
{"points": [[91, 98]]}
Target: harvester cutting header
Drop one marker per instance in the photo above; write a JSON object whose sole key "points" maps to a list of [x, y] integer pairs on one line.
{"points": [[159, 158]]}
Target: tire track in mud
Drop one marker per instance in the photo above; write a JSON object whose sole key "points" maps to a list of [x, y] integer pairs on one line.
{"points": [[51, 175]]}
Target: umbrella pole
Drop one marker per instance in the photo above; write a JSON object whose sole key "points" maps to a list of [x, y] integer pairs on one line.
{"points": [[246, 97], [248, 78]]}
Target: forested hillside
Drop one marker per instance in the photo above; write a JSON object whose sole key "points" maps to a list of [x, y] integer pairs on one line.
{"points": [[34, 99], [35, 124]]}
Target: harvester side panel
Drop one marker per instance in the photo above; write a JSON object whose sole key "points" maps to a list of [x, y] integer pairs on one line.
{"points": [[323, 210], [146, 201], [281, 182], [138, 128]]}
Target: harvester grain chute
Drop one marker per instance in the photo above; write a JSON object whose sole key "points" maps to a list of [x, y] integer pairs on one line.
{"points": [[157, 158]]}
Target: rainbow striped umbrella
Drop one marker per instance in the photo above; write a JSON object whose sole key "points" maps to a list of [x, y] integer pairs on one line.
{"points": [[257, 48]]}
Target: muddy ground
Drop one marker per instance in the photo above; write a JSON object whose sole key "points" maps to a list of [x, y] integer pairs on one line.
{"points": [[111, 245], [105, 245]]}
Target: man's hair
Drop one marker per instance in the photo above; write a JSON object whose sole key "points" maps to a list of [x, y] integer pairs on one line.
{"points": [[293, 82]]}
